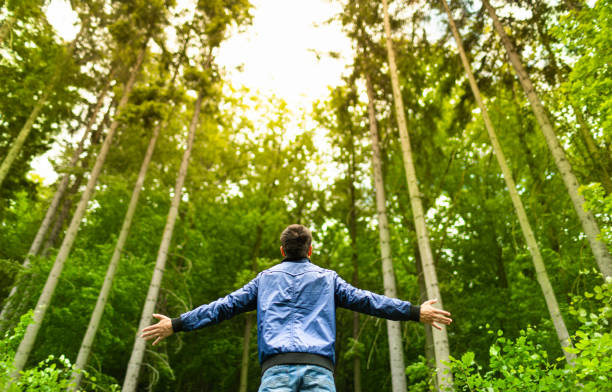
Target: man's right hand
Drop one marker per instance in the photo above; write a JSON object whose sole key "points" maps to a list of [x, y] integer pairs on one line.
{"points": [[431, 315]]}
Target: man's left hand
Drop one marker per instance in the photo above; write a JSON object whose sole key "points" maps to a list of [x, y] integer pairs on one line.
{"points": [[161, 330], [433, 316]]}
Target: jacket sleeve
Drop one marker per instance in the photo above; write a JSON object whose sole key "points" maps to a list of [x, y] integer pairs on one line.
{"points": [[367, 302], [240, 301]]}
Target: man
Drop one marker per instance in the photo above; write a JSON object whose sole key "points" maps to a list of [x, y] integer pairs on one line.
{"points": [[296, 316]]}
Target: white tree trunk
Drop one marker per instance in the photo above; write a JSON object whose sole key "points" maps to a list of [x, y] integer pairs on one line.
{"points": [[52, 210], [589, 225], [445, 379], [23, 134], [538, 262], [396, 353], [44, 300], [131, 377], [96, 316]]}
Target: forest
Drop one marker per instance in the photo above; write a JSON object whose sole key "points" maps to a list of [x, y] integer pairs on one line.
{"points": [[472, 166]]}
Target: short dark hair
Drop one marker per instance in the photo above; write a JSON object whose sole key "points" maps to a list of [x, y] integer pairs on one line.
{"points": [[296, 240]]}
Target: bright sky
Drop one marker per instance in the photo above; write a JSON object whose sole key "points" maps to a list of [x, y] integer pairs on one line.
{"points": [[275, 55]]}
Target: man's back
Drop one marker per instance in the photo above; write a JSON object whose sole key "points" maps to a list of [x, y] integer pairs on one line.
{"points": [[296, 310]]}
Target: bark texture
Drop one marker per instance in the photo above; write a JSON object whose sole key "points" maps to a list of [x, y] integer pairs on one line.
{"points": [[131, 378], [587, 220], [538, 262], [445, 379]]}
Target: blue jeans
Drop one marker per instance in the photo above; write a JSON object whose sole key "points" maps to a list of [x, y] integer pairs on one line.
{"points": [[297, 378]]}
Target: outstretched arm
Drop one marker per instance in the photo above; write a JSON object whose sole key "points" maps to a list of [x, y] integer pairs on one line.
{"points": [[350, 297], [161, 330]]}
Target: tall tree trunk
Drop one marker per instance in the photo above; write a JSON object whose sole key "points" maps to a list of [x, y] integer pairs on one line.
{"points": [[396, 353], [589, 225], [246, 343], [355, 259], [52, 210], [538, 262], [17, 144], [131, 377], [96, 316], [44, 300], [430, 354], [445, 378]]}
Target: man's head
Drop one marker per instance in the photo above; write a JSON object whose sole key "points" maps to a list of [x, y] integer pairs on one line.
{"points": [[296, 241]]}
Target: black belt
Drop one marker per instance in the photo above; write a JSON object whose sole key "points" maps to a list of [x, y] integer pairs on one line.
{"points": [[297, 359]]}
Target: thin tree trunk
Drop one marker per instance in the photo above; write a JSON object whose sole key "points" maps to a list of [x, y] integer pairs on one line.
{"points": [[17, 144], [23, 134], [131, 377], [52, 210], [430, 354], [355, 258], [538, 262], [396, 353], [44, 300], [96, 316], [445, 378], [589, 225], [244, 366]]}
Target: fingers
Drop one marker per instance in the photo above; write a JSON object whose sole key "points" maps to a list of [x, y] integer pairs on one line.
{"points": [[431, 301], [149, 328], [441, 311], [148, 334], [432, 324], [159, 339], [159, 316]]}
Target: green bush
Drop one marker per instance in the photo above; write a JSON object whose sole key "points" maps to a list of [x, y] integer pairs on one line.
{"points": [[50, 375], [522, 363]]}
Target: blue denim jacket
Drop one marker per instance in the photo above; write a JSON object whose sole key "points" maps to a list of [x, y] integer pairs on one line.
{"points": [[296, 308]]}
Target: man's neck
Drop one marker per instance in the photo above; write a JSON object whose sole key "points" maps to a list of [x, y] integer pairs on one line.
{"points": [[299, 258]]}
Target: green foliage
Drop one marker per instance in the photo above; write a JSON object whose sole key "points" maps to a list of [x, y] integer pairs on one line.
{"points": [[601, 205], [52, 374], [419, 376], [585, 35], [524, 364]]}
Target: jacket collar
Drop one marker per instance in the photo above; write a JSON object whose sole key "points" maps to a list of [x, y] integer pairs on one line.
{"points": [[297, 259]]}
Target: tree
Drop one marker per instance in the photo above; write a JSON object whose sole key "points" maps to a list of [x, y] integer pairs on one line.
{"points": [[431, 280], [589, 224], [393, 327], [542, 275], [44, 300], [131, 378], [98, 311], [55, 202]]}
